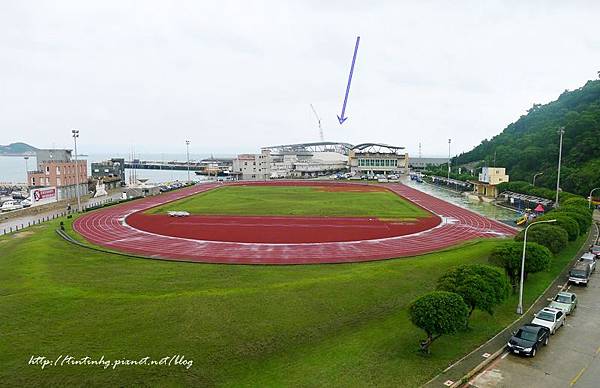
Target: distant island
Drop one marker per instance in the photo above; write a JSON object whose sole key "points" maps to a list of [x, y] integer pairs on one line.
{"points": [[17, 149]]}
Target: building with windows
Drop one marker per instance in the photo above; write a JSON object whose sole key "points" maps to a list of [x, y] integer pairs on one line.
{"points": [[377, 159], [252, 167], [308, 160], [489, 179], [112, 170], [56, 168]]}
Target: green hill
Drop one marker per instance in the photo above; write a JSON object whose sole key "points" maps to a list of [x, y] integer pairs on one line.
{"points": [[530, 144], [17, 149]]}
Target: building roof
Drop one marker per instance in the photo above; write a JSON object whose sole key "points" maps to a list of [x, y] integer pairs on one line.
{"points": [[377, 148]]}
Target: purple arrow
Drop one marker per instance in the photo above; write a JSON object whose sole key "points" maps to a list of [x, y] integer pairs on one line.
{"points": [[342, 117]]}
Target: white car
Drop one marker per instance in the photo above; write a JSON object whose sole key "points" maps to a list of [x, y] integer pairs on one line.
{"points": [[11, 205], [25, 203], [565, 301], [551, 318], [589, 258]]}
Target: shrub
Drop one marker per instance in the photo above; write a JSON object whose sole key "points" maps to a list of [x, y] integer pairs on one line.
{"points": [[584, 221], [550, 236], [567, 223], [577, 201], [438, 313], [509, 256]]}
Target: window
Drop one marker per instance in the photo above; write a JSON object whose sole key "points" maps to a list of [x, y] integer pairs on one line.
{"points": [[58, 182], [57, 170], [47, 169]]}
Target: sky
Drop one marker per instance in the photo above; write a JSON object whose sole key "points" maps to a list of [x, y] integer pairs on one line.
{"points": [[232, 76]]}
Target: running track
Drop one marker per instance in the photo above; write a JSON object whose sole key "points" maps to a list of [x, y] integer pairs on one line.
{"points": [[107, 228]]}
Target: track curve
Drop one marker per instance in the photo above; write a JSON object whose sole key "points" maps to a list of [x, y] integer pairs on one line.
{"points": [[108, 228]]}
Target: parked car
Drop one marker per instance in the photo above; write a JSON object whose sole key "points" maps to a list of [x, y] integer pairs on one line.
{"points": [[25, 203], [580, 273], [595, 249], [589, 258], [551, 318], [527, 339], [10, 205], [565, 301]]}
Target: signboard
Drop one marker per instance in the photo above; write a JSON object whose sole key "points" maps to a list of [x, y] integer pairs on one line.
{"points": [[43, 196]]}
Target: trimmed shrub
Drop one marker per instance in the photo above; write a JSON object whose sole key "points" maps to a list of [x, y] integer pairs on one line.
{"points": [[582, 220], [567, 223], [509, 255], [552, 237]]}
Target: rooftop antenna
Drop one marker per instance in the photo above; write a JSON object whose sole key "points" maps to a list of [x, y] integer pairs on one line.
{"points": [[318, 121]]}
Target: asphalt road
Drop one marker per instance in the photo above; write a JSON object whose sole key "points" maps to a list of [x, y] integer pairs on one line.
{"points": [[571, 359]]}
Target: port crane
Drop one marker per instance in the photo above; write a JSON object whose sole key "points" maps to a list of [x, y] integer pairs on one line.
{"points": [[318, 121]]}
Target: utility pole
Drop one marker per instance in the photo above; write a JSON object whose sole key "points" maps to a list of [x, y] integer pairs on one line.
{"points": [[561, 131], [26, 171], [187, 145], [75, 133], [420, 155], [449, 141]]}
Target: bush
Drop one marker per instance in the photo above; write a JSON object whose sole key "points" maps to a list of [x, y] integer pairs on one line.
{"points": [[567, 223], [552, 237], [576, 201], [481, 286], [509, 255], [582, 220], [438, 313]]}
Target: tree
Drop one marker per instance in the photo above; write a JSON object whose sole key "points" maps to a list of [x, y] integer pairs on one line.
{"points": [[509, 256], [481, 286], [583, 220], [438, 313], [550, 236], [563, 221]]}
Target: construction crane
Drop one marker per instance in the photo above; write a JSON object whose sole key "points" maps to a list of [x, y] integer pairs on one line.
{"points": [[318, 121]]}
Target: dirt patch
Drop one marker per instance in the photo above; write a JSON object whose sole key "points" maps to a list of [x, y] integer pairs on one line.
{"points": [[22, 234]]}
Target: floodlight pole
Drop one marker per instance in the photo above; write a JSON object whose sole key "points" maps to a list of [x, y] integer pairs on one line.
{"points": [[26, 170], [187, 145], [535, 176], [449, 141], [590, 198], [75, 133], [562, 132], [520, 306]]}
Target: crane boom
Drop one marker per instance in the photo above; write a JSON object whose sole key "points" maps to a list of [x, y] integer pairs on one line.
{"points": [[318, 121]]}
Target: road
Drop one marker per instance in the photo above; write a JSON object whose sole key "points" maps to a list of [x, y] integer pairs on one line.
{"points": [[571, 359], [24, 221]]}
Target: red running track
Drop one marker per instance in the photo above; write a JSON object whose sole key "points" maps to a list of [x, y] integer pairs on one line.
{"points": [[108, 228]]}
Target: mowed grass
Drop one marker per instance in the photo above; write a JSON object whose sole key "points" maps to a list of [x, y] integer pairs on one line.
{"points": [[295, 201], [317, 325]]}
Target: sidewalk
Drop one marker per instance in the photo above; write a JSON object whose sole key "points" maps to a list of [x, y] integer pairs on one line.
{"points": [[461, 371]]}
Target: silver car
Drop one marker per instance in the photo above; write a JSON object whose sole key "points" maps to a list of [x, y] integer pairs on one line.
{"points": [[565, 301]]}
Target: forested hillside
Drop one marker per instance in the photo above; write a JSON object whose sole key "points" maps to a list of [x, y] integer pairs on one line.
{"points": [[530, 145]]}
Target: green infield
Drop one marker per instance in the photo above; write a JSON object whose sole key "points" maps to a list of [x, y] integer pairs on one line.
{"points": [[296, 201], [316, 325]]}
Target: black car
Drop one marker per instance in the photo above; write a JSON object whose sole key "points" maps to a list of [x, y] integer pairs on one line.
{"points": [[528, 338]]}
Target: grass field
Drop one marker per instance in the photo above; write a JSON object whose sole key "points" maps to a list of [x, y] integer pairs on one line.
{"points": [[325, 325], [296, 201]]}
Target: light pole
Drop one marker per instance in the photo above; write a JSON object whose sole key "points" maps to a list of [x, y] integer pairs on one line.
{"points": [[75, 133], [561, 130], [535, 176], [590, 198], [187, 145], [26, 170], [520, 306], [449, 141]]}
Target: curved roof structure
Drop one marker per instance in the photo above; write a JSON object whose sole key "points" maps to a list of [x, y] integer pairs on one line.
{"points": [[377, 148], [323, 146]]}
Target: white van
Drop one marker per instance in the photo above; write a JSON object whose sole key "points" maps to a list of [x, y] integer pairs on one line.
{"points": [[11, 205]]}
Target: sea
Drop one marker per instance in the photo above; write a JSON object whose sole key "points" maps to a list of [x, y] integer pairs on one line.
{"points": [[13, 169]]}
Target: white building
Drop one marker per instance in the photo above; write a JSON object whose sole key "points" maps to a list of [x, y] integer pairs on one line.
{"points": [[252, 167], [374, 158]]}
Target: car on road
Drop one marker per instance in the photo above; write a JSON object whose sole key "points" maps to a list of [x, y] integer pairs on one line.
{"points": [[551, 318], [11, 205], [580, 273], [595, 249], [589, 258], [565, 301], [527, 339], [26, 203]]}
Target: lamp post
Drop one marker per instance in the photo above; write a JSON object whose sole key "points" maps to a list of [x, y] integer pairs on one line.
{"points": [[75, 133], [449, 141], [26, 170], [590, 198], [187, 145], [561, 131], [535, 176], [520, 306]]}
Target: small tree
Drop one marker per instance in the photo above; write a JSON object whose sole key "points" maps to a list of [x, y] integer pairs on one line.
{"points": [[550, 236], [509, 255], [438, 313], [481, 286]]}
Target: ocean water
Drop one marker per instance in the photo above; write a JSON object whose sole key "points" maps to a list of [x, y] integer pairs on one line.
{"points": [[12, 168]]}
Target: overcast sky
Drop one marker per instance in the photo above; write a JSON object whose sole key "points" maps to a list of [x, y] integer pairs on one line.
{"points": [[232, 76]]}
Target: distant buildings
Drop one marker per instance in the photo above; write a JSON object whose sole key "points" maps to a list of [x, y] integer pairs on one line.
{"points": [[111, 172], [55, 167], [252, 167], [489, 179], [375, 158], [419, 164]]}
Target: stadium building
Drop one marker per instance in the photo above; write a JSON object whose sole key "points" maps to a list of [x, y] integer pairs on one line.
{"points": [[375, 158], [307, 160]]}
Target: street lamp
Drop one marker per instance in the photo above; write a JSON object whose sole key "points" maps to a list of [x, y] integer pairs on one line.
{"points": [[590, 198], [535, 176], [561, 130], [520, 306], [187, 145], [449, 141], [26, 170], [75, 133]]}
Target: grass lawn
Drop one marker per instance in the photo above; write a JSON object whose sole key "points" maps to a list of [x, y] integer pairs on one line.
{"points": [[316, 325], [296, 201]]}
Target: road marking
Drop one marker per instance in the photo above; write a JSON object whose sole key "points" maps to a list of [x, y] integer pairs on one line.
{"points": [[448, 383], [504, 355], [574, 381], [598, 350], [486, 355]]}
